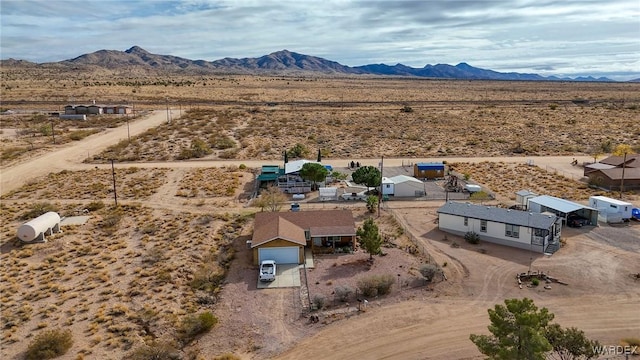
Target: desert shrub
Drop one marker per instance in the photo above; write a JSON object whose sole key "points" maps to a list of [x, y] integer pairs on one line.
{"points": [[319, 301], [455, 245], [428, 271], [227, 356], [242, 166], [111, 220], [222, 143], [49, 344], [206, 279], [155, 351], [472, 237], [81, 134], [407, 109], [343, 292], [535, 282], [632, 342], [37, 210], [94, 205], [194, 325], [13, 152], [372, 203], [376, 285]]}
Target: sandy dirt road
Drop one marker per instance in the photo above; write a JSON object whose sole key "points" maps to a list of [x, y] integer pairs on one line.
{"points": [[70, 157]]}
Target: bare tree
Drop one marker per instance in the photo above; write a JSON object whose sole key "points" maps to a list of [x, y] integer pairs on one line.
{"points": [[270, 199]]}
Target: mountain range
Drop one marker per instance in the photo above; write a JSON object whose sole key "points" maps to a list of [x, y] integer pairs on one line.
{"points": [[282, 62]]}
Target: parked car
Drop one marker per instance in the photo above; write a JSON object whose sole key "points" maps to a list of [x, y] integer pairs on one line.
{"points": [[267, 270], [635, 214], [574, 220]]}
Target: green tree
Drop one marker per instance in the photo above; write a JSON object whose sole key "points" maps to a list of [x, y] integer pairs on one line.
{"points": [[372, 203], [271, 199], [298, 151], [570, 343], [517, 330], [314, 172], [369, 237], [338, 175], [367, 175]]}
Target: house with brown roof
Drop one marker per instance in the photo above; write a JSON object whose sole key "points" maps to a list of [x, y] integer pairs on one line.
{"points": [[283, 236], [607, 173]]}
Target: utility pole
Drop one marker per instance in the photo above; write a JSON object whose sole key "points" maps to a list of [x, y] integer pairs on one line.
{"points": [[128, 132], [380, 192], [113, 173], [168, 116], [624, 163], [53, 133]]}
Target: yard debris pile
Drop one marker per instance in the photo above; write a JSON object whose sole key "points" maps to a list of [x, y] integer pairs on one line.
{"points": [[529, 276]]}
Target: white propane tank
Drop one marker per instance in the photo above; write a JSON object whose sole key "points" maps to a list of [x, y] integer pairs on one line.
{"points": [[38, 227]]}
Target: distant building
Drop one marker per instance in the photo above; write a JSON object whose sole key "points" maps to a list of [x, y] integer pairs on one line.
{"points": [[432, 170]]}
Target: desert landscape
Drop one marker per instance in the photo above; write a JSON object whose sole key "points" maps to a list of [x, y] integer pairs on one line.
{"points": [[139, 277]]}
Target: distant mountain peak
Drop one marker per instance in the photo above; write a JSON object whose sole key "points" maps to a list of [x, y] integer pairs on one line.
{"points": [[136, 50]]}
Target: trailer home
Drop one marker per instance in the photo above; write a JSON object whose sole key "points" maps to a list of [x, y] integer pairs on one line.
{"points": [[611, 210]]}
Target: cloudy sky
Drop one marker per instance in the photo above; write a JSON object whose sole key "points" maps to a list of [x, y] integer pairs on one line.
{"points": [[548, 37]]}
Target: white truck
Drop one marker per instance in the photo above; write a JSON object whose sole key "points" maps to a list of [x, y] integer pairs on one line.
{"points": [[267, 270]]}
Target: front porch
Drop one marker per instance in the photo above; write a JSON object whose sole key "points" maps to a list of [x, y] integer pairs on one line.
{"points": [[331, 244]]}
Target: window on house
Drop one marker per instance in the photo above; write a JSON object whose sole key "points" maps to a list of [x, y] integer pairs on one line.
{"points": [[388, 186], [466, 221], [512, 231], [483, 226]]}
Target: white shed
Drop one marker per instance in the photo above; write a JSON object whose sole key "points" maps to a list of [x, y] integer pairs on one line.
{"points": [[328, 193], [407, 186], [35, 230], [611, 210], [387, 186]]}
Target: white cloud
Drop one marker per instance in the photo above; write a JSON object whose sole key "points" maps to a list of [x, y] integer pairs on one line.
{"points": [[568, 36]]}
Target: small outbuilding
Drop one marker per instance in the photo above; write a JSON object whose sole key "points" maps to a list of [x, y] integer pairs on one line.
{"points": [[428, 170], [407, 186]]}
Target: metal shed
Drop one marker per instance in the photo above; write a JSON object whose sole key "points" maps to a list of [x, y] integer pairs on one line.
{"points": [[431, 170]]}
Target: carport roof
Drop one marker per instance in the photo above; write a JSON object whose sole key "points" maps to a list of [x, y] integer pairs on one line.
{"points": [[561, 205]]}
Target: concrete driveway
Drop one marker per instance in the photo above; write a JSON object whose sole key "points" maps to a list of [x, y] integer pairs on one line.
{"points": [[287, 275]]}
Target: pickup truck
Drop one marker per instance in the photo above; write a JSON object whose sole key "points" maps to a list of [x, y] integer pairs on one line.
{"points": [[267, 270]]}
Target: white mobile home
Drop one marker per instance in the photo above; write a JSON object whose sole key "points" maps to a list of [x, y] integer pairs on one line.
{"points": [[611, 210], [525, 230]]}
